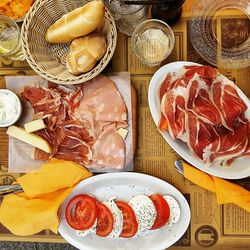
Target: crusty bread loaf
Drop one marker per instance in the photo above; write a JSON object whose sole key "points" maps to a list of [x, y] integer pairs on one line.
{"points": [[84, 52], [76, 23]]}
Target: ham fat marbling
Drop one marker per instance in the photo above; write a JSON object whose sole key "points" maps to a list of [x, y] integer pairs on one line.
{"points": [[82, 121], [202, 108]]}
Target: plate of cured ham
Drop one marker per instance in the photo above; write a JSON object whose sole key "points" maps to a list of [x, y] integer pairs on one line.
{"points": [[203, 116]]}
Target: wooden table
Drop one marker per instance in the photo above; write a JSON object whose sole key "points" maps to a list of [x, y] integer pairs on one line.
{"points": [[154, 156]]}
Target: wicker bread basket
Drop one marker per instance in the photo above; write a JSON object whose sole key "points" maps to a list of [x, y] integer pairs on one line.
{"points": [[49, 60]]}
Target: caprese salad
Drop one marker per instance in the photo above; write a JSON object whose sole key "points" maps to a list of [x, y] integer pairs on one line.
{"points": [[115, 218]]}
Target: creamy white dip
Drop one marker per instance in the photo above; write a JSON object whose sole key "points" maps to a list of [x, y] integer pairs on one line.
{"points": [[153, 44], [9, 108]]}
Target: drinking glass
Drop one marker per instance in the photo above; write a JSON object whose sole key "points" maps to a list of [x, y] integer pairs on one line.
{"points": [[127, 17], [170, 12], [152, 41], [10, 39]]}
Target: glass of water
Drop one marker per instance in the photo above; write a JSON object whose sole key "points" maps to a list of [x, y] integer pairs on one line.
{"points": [[127, 17], [10, 39]]}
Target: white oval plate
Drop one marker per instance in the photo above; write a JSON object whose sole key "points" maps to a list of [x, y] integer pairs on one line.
{"points": [[240, 168], [125, 186]]}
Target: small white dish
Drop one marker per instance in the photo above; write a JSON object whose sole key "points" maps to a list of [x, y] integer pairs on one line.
{"points": [[240, 167], [14, 100], [125, 186]]}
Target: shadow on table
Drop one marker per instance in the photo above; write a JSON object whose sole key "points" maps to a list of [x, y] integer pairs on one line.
{"points": [[8, 245]]}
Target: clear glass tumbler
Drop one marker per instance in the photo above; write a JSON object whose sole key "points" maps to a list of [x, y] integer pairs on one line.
{"points": [[127, 17], [170, 12], [152, 41], [10, 39]]}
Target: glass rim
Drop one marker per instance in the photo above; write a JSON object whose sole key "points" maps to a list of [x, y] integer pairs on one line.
{"points": [[177, 6], [205, 12], [2, 17], [108, 5], [133, 42]]}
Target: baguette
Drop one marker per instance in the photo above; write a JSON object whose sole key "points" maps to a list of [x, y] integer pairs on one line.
{"points": [[76, 23]]}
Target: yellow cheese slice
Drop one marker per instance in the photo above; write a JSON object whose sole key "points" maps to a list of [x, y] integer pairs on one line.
{"points": [[122, 132], [29, 138], [34, 125]]}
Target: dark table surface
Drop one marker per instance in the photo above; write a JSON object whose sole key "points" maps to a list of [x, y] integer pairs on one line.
{"points": [[11, 245]]}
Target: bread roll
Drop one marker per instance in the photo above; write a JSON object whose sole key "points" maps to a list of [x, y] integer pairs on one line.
{"points": [[76, 23], [84, 52]]}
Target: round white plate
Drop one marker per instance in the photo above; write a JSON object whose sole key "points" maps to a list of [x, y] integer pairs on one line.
{"points": [[240, 168], [125, 186]]}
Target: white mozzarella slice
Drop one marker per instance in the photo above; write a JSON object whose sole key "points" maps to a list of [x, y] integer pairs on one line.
{"points": [[118, 217], [83, 233], [144, 210], [175, 211]]}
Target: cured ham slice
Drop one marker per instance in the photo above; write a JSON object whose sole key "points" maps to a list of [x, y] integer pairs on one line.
{"points": [[201, 134], [109, 149], [41, 99], [70, 141], [165, 85], [74, 148], [170, 83], [40, 155], [206, 73], [81, 121], [202, 108], [52, 104], [70, 96], [173, 110], [227, 146], [227, 100], [198, 101]]}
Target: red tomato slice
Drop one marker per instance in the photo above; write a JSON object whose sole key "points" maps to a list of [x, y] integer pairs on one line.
{"points": [[130, 225], [81, 212], [105, 221], [163, 211]]}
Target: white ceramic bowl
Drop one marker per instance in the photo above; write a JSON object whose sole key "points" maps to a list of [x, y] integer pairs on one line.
{"points": [[18, 106]]}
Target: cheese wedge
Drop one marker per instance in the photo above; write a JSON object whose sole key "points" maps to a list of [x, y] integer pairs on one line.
{"points": [[122, 132], [29, 138], [34, 125]]}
